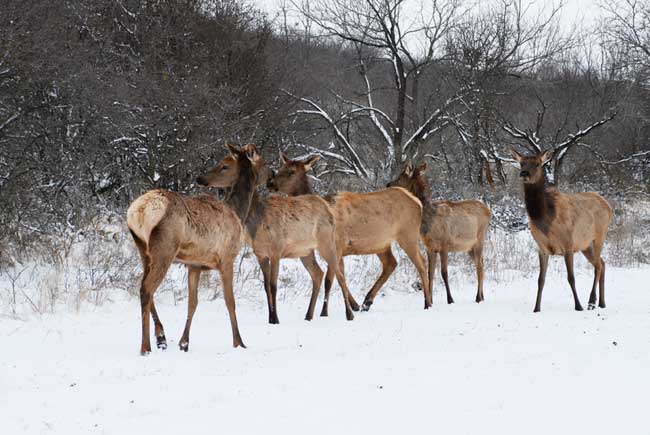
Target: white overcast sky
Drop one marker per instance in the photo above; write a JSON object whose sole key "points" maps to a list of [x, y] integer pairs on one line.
{"points": [[580, 12]]}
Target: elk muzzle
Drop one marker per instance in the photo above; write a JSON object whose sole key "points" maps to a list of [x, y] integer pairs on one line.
{"points": [[201, 181]]}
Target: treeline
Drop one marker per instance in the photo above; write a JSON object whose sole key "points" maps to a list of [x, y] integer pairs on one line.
{"points": [[101, 100]]}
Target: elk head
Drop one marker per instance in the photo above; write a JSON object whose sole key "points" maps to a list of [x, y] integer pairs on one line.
{"points": [[532, 167], [291, 177], [228, 170], [409, 176]]}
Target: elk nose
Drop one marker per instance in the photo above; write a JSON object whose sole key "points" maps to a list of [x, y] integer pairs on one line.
{"points": [[201, 181], [270, 184], [524, 174]]}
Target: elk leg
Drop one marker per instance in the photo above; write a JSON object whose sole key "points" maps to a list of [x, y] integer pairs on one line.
{"points": [[543, 264], [598, 248], [329, 280], [601, 285], [226, 272], [329, 253], [353, 303], [265, 265], [388, 264], [431, 259], [568, 260], [193, 276], [410, 246], [161, 340], [150, 282], [316, 274], [275, 270], [445, 275], [477, 256], [589, 254]]}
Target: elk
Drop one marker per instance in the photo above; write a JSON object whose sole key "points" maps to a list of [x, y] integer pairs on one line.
{"points": [[563, 224], [279, 228], [366, 223], [201, 232], [447, 226]]}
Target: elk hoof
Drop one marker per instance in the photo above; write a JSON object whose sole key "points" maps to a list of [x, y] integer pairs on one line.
{"points": [[273, 320], [591, 306], [323, 313], [145, 352], [537, 310], [349, 315], [579, 307], [366, 305], [161, 342], [451, 300], [427, 305], [184, 346], [602, 305], [309, 317], [239, 344], [354, 305]]}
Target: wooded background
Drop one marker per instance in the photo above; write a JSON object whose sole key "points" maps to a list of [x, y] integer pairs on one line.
{"points": [[102, 100]]}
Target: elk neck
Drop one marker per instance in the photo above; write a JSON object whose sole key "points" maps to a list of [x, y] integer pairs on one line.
{"points": [[540, 204], [255, 215], [240, 196], [422, 191], [302, 187]]}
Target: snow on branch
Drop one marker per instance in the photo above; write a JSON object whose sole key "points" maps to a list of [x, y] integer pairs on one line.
{"points": [[356, 162]]}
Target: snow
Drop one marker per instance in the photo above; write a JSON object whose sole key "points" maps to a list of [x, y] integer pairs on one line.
{"points": [[460, 369]]}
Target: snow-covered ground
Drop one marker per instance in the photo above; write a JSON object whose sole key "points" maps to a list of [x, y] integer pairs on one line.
{"points": [[460, 369]]}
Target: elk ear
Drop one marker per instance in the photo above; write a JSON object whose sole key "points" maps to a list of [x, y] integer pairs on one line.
{"points": [[253, 154], [310, 162], [515, 155], [546, 156], [284, 158], [420, 169], [233, 150], [408, 169]]}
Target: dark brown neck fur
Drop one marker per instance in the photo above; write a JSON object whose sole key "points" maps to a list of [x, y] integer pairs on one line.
{"points": [[302, 187], [540, 204], [422, 191], [240, 196]]}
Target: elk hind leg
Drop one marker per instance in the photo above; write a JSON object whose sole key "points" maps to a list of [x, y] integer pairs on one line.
{"points": [[329, 254], [410, 245], [316, 275], [162, 256], [444, 258], [388, 264], [598, 248], [353, 303], [595, 261], [329, 281], [265, 265], [477, 256], [161, 341], [193, 276]]}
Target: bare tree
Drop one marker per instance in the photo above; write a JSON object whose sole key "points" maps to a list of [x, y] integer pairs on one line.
{"points": [[400, 41], [626, 32]]}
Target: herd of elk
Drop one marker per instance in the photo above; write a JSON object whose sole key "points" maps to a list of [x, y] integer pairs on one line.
{"points": [[287, 228], [205, 233], [366, 223]]}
